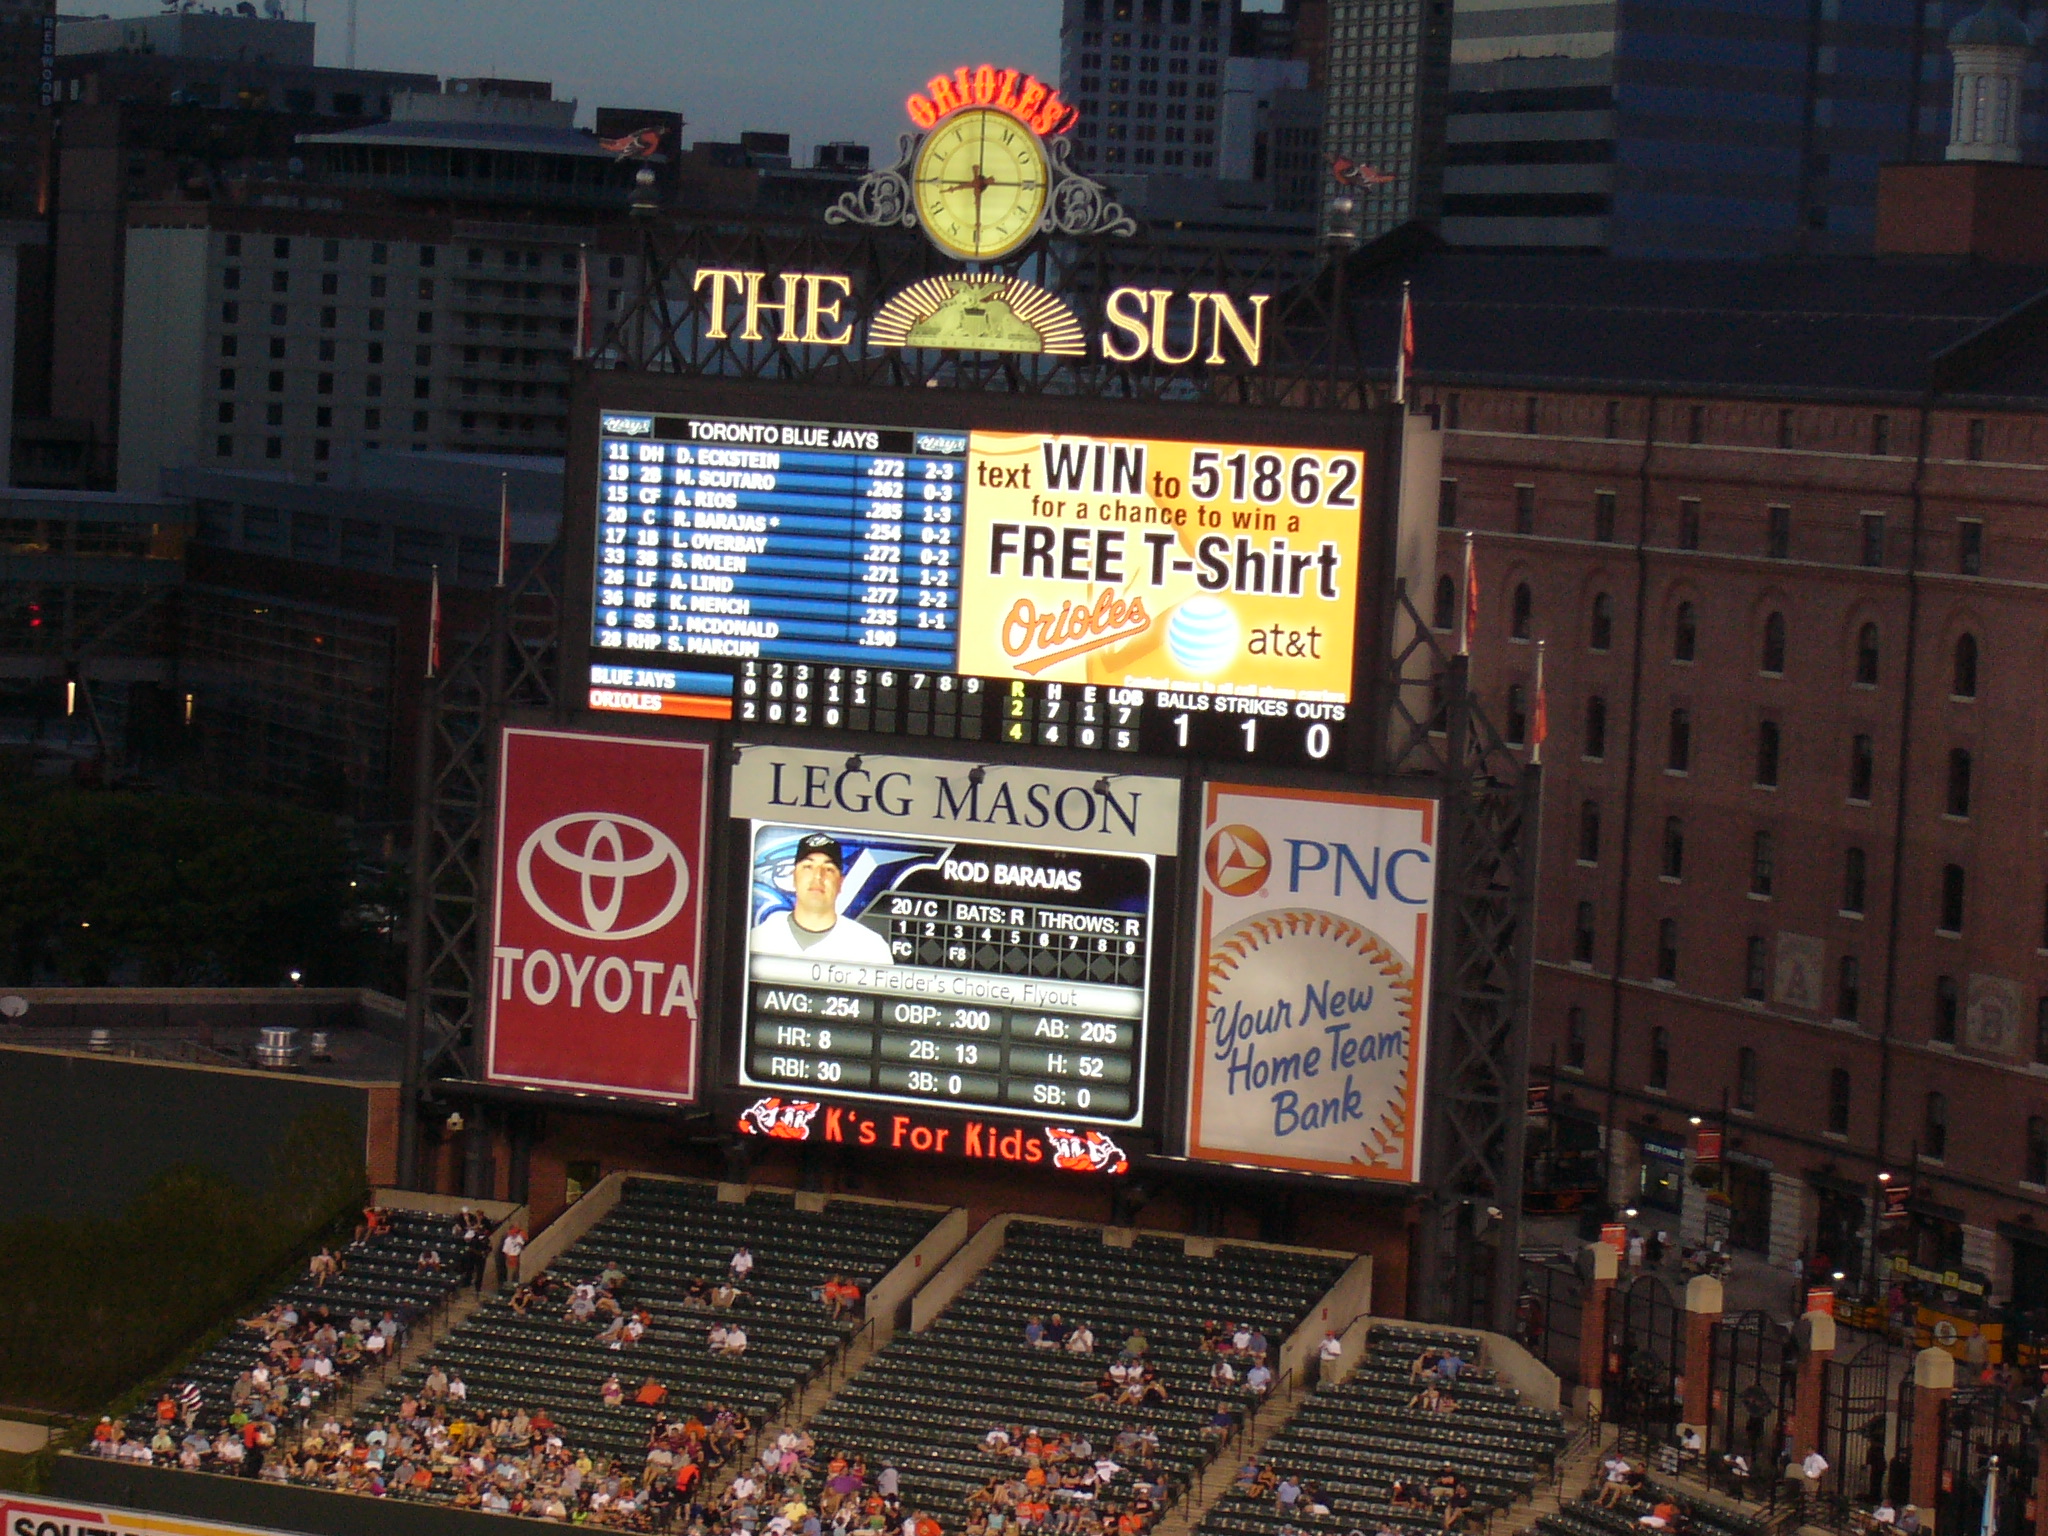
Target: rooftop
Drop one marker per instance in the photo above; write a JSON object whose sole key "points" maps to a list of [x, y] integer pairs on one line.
{"points": [[1833, 326]]}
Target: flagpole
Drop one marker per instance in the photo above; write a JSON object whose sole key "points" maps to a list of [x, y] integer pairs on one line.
{"points": [[582, 302], [504, 523], [434, 624], [1542, 712], [1403, 347], [1469, 621]]}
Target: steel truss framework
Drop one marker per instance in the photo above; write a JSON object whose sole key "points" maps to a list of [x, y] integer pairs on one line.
{"points": [[1437, 740]]}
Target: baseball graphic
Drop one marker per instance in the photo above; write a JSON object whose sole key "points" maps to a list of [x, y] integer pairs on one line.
{"points": [[1314, 1013], [1311, 1024]]}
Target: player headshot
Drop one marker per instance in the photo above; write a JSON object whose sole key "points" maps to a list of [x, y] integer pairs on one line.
{"points": [[813, 929]]}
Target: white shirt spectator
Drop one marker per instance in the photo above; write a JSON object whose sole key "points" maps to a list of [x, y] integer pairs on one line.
{"points": [[1332, 1348], [742, 1264], [1815, 1466]]}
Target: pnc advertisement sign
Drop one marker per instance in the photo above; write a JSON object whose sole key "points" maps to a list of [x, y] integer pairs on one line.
{"points": [[598, 918], [1212, 568], [1311, 1010]]}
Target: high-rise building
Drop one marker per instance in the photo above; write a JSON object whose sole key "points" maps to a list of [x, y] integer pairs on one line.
{"points": [[295, 340], [1147, 76], [1659, 128], [1386, 72], [1203, 115], [177, 106]]}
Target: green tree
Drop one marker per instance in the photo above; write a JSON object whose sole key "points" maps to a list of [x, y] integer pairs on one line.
{"points": [[180, 889]]}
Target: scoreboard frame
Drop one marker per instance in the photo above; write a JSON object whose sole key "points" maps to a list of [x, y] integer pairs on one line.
{"points": [[1379, 551], [1384, 545]]}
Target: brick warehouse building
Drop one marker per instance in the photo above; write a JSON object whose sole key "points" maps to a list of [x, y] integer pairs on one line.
{"points": [[1781, 527]]}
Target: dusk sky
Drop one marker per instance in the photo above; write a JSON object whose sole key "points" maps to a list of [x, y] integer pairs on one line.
{"points": [[814, 70]]}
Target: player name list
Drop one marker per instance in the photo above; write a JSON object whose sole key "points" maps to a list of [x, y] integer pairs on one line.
{"points": [[750, 539], [995, 1004]]}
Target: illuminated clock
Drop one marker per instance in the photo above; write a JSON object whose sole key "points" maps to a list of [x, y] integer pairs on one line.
{"points": [[980, 184]]}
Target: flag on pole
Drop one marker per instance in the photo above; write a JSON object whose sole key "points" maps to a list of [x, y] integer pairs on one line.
{"points": [[504, 523], [1404, 364], [1542, 728], [582, 302], [1988, 1524], [1471, 617], [434, 625]]}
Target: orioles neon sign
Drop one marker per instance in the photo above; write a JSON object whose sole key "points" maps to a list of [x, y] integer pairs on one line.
{"points": [[1031, 101], [1064, 1148]]}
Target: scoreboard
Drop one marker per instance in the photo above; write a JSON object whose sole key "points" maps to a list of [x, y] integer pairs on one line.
{"points": [[1108, 594], [923, 935]]}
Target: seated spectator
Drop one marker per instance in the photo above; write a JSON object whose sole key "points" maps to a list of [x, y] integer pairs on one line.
{"points": [[1136, 1345], [697, 1293], [1614, 1480], [1663, 1515], [1425, 1365], [1259, 1379], [1081, 1341], [725, 1293], [841, 1296], [1884, 1514], [742, 1264], [652, 1394], [1055, 1332], [735, 1340], [1222, 1375], [1448, 1366], [1034, 1332]]}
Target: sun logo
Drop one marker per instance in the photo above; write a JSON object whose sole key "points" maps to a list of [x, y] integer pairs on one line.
{"points": [[1237, 860]]}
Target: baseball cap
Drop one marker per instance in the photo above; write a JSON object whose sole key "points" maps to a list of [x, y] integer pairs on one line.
{"points": [[821, 842]]}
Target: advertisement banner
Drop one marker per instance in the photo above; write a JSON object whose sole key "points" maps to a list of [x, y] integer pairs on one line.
{"points": [[940, 933], [22, 1515], [1311, 1015], [1212, 568], [598, 923]]}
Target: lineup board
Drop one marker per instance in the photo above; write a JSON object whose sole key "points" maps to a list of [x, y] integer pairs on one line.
{"points": [[994, 994]]}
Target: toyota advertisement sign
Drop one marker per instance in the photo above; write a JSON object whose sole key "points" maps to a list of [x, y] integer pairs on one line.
{"points": [[598, 927]]}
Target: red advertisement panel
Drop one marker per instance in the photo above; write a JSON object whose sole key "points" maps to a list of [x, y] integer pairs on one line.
{"points": [[598, 927]]}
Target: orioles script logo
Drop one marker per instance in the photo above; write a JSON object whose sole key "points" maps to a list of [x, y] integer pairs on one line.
{"points": [[1036, 639]]}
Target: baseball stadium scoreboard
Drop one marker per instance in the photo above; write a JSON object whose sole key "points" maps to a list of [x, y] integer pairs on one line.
{"points": [[1119, 595], [904, 810]]}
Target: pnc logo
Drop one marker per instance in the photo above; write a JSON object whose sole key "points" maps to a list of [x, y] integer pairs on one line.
{"points": [[1237, 860], [631, 877]]}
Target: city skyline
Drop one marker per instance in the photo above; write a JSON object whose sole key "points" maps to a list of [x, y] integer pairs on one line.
{"points": [[850, 86]]}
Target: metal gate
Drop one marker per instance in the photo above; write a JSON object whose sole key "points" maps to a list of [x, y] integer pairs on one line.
{"points": [[1645, 1359], [1855, 1428], [1548, 1314], [1978, 1425], [1755, 1381]]}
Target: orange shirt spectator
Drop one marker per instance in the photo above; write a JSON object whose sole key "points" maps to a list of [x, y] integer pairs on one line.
{"points": [[652, 1393]]}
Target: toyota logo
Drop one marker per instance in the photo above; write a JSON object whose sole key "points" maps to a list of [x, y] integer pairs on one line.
{"points": [[604, 870]]}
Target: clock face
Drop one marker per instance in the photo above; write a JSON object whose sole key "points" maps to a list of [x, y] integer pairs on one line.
{"points": [[980, 184]]}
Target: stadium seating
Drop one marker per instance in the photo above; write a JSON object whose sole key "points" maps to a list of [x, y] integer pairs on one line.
{"points": [[1702, 1517], [1353, 1439], [380, 1274], [924, 1403], [663, 1234]]}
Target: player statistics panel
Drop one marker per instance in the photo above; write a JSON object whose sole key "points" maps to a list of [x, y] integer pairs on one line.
{"points": [[983, 976], [721, 539]]}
